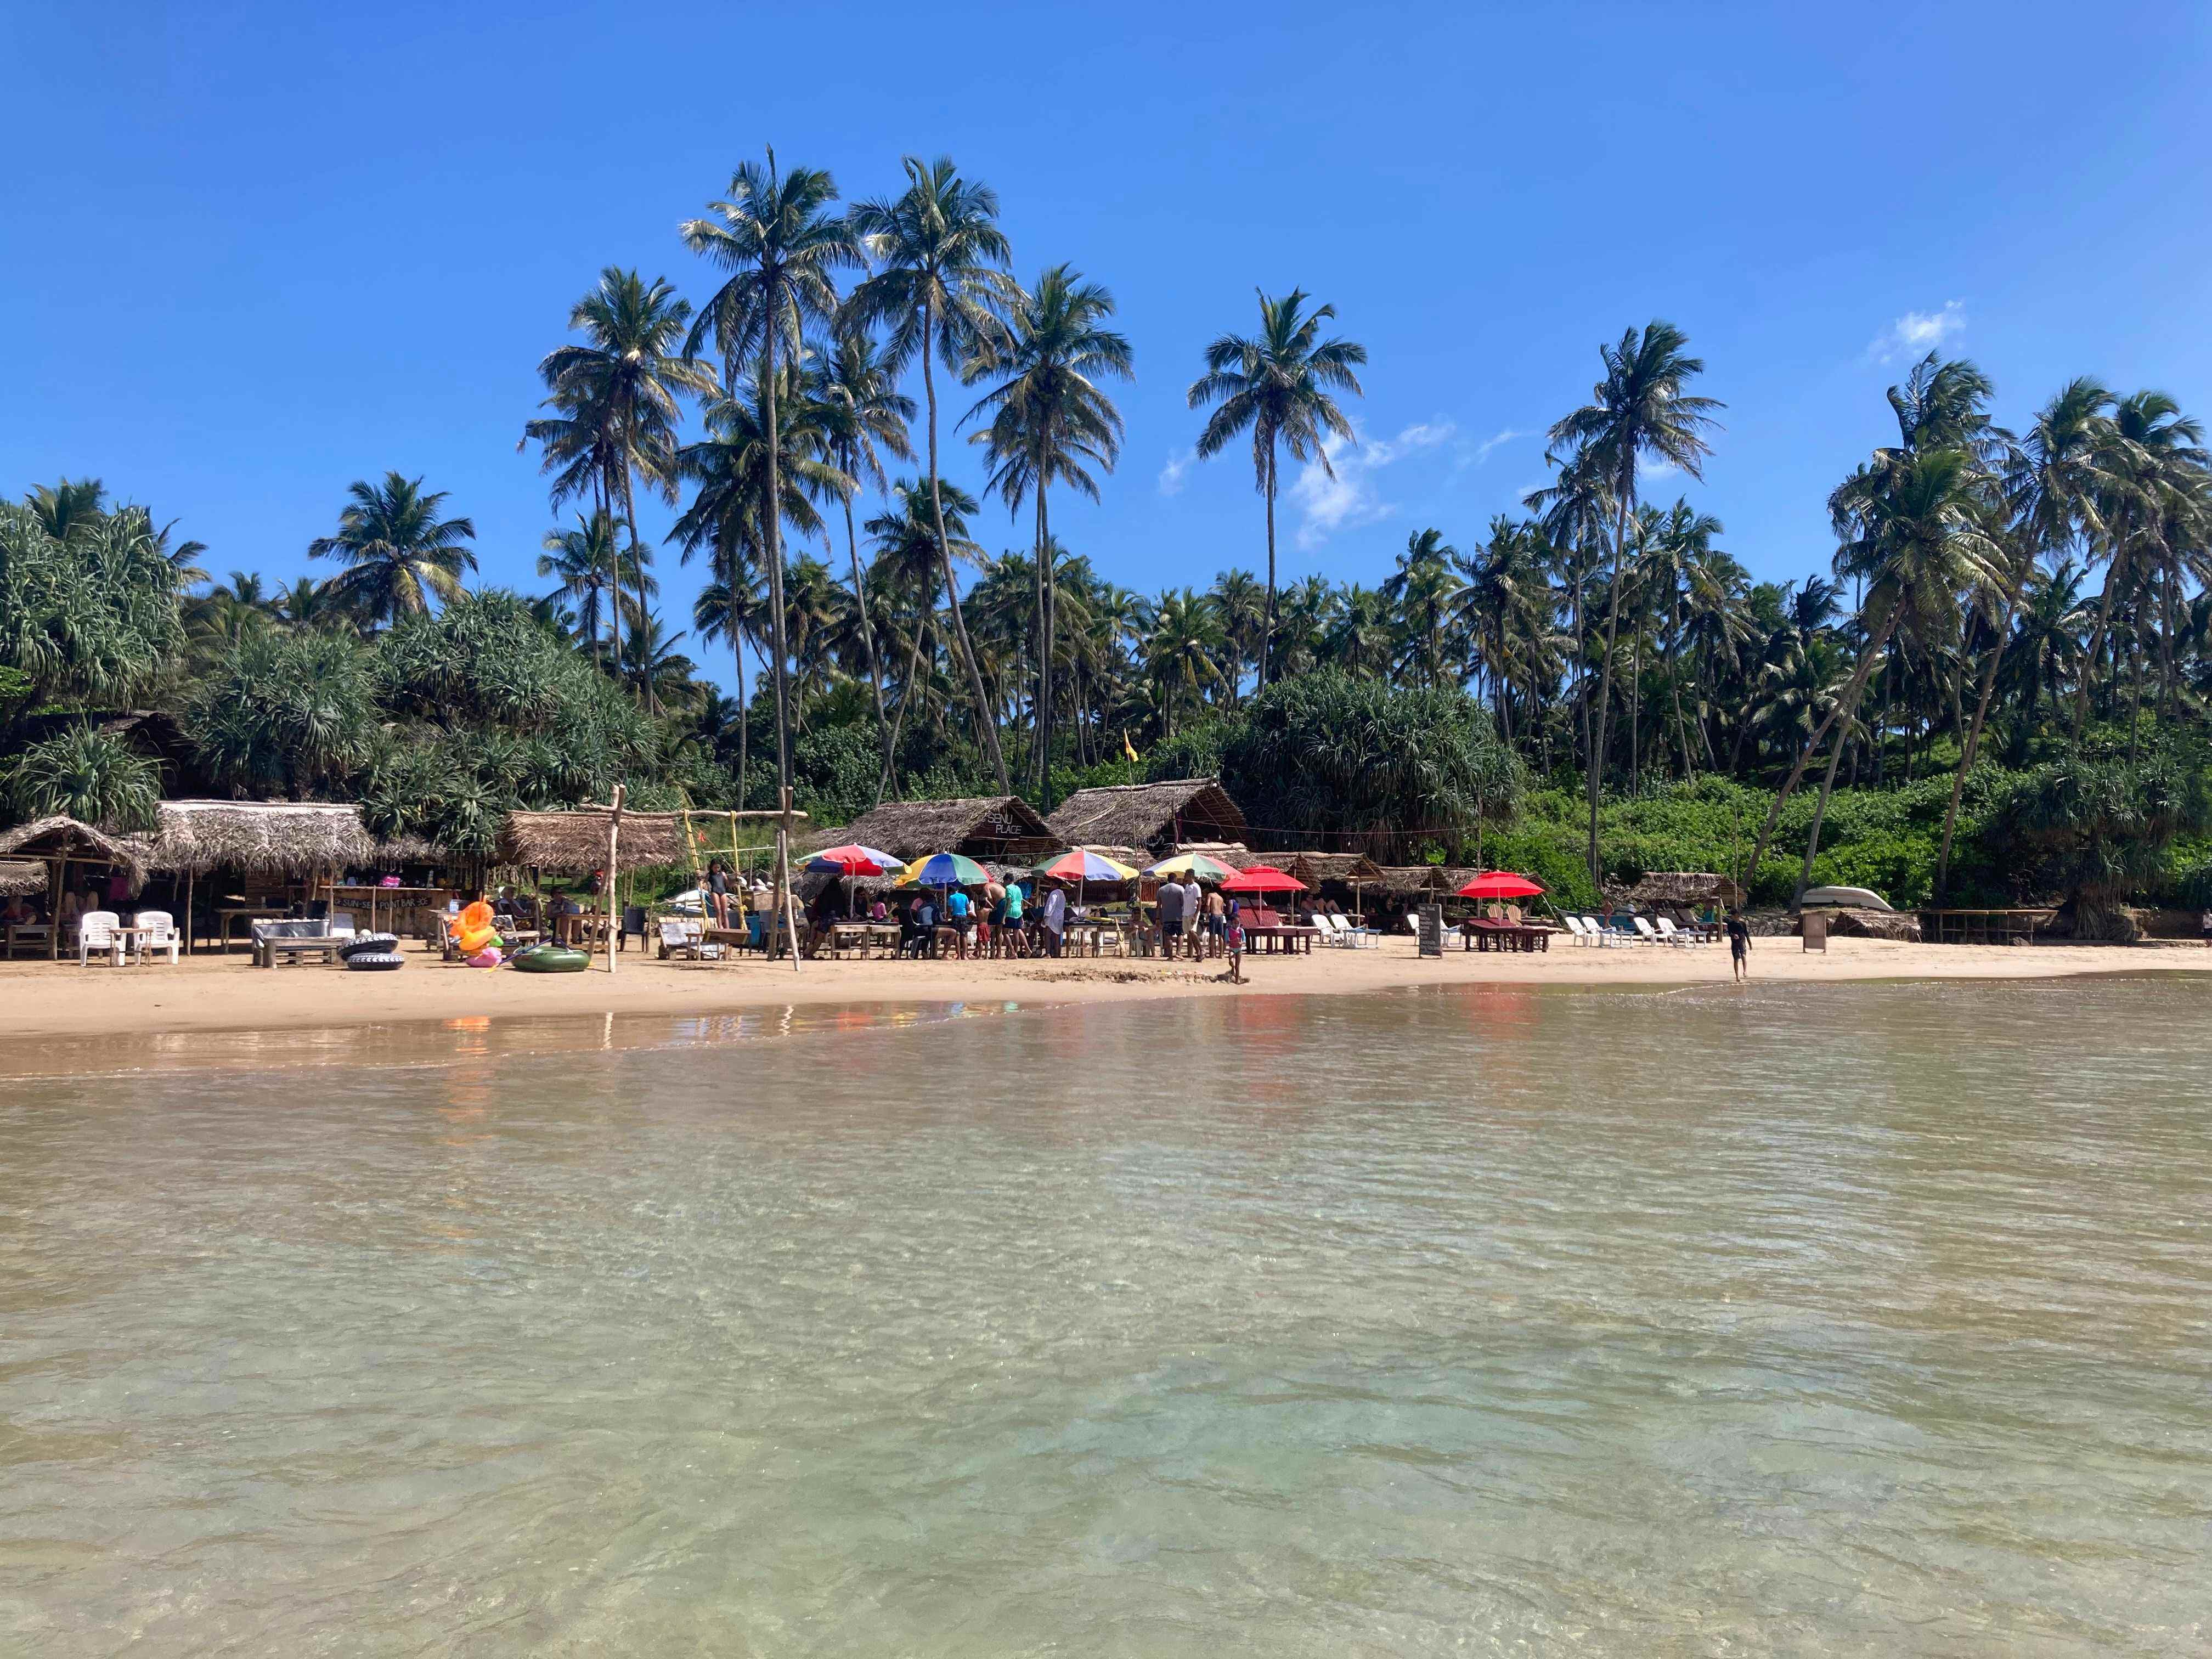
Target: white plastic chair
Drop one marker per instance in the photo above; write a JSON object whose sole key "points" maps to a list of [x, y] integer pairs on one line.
{"points": [[1643, 932], [1603, 935], [1576, 930], [1674, 935], [95, 931], [159, 935]]}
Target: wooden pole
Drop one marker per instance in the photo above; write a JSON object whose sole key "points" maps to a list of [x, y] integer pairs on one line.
{"points": [[614, 848], [783, 875], [188, 909]]}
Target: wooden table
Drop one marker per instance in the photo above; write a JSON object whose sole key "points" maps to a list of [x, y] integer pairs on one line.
{"points": [[36, 934], [1503, 936], [1287, 938], [249, 914]]}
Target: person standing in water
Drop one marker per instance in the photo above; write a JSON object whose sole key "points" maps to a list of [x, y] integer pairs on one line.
{"points": [[1739, 935]]}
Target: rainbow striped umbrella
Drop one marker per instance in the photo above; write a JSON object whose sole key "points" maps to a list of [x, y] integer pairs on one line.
{"points": [[1077, 864], [943, 870]]}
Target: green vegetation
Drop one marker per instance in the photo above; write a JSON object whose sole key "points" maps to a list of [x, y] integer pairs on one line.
{"points": [[1588, 690]]}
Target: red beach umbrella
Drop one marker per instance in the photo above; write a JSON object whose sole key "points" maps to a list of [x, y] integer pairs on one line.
{"points": [[1262, 878], [1500, 884]]}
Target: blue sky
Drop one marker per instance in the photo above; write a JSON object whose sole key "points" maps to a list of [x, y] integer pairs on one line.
{"points": [[252, 252]]}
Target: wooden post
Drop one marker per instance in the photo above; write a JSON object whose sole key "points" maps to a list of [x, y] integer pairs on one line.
{"points": [[783, 874], [614, 848], [188, 909]]}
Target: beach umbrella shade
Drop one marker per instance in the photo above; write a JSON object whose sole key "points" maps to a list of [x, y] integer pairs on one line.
{"points": [[944, 870], [1262, 878], [1191, 864], [854, 860], [1076, 865], [1500, 884]]}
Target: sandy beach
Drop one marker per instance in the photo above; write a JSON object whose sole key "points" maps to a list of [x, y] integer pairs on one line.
{"points": [[218, 992]]}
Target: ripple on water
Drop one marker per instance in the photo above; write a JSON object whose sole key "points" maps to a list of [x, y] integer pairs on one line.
{"points": [[1807, 1320]]}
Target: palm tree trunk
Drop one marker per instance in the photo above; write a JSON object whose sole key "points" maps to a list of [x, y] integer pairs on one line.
{"points": [[985, 715], [1847, 705], [868, 639], [745, 706], [1819, 812], [1048, 595], [2097, 636], [1971, 744], [630, 512], [1267, 628], [1604, 666], [771, 522], [1681, 730]]}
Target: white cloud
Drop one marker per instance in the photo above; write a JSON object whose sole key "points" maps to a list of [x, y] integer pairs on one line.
{"points": [[1343, 495], [1172, 474], [1650, 468], [1917, 333], [1482, 450]]}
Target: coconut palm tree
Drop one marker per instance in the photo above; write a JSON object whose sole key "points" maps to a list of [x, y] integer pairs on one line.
{"points": [[1050, 422], [1182, 655], [399, 555], [1243, 605], [614, 397], [583, 560], [1641, 409], [910, 561], [1423, 588], [1278, 384], [775, 235], [1924, 541], [730, 468], [863, 416], [942, 291]]}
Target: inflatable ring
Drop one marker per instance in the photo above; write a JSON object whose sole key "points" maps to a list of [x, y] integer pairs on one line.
{"points": [[550, 959], [371, 942], [373, 961]]}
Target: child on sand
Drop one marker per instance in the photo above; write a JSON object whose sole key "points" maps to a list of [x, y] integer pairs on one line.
{"points": [[1233, 937]]}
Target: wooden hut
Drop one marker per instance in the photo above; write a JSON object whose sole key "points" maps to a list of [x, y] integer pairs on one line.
{"points": [[58, 844], [289, 840], [994, 829], [1150, 816]]}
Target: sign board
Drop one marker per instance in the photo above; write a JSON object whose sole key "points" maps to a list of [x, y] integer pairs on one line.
{"points": [[1432, 930]]}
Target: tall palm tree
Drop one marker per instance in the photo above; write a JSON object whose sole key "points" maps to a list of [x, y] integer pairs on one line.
{"points": [[584, 561], [1051, 422], [1243, 605], [399, 555], [730, 467], [1182, 655], [910, 561], [1924, 541], [1640, 409], [864, 415], [942, 290], [1278, 384], [1423, 587], [614, 397], [782, 247]]}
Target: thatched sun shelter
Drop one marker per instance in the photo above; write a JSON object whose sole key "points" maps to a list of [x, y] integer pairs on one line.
{"points": [[260, 837], [1152, 816], [576, 841], [21, 875], [999, 829], [60, 841]]}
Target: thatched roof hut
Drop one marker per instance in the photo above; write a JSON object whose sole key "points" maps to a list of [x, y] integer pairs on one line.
{"points": [[1405, 881], [65, 840], [261, 837], [1001, 829], [1352, 869], [1686, 887], [1234, 853], [577, 841], [1157, 815], [21, 875]]}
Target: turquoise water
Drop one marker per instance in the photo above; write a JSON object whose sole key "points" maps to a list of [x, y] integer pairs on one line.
{"points": [[1807, 1320]]}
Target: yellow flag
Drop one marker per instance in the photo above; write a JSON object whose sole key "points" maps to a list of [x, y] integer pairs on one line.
{"points": [[1128, 753]]}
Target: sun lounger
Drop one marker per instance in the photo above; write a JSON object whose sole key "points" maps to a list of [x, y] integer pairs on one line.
{"points": [[1646, 933], [1674, 935]]}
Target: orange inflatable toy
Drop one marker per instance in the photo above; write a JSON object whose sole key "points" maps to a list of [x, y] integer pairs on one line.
{"points": [[475, 928]]}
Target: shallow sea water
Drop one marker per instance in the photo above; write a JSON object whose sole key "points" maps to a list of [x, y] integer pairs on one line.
{"points": [[1803, 1320]]}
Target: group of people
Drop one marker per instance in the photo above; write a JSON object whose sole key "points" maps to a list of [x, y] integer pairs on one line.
{"points": [[1009, 920]]}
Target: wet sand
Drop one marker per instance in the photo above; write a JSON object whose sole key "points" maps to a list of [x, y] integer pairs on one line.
{"points": [[216, 992]]}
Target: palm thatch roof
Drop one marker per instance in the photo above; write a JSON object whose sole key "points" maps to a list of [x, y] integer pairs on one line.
{"points": [[1406, 880], [21, 875], [1002, 827], [65, 838], [1151, 815], [577, 841], [1314, 868], [1234, 853], [1685, 887], [262, 837]]}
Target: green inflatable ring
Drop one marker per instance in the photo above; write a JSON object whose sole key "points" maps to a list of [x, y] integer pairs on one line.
{"points": [[550, 959]]}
